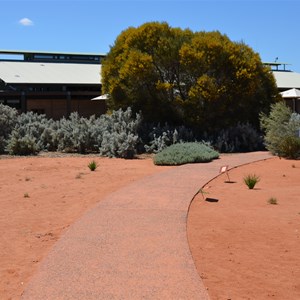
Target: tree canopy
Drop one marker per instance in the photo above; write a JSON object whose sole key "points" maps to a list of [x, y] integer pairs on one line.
{"points": [[200, 79]]}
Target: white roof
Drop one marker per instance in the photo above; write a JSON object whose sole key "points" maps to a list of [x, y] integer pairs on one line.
{"points": [[287, 80], [292, 93], [49, 73], [80, 73], [101, 97]]}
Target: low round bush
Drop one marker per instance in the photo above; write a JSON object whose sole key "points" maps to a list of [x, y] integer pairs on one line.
{"points": [[184, 153], [21, 145]]}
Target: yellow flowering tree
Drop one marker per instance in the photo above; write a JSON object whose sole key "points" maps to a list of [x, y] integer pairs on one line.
{"points": [[200, 79]]}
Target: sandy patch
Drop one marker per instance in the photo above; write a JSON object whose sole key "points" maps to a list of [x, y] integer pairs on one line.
{"points": [[244, 247], [39, 199]]}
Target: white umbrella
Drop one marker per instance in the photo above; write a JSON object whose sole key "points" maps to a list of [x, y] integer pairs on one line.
{"points": [[292, 93], [102, 97]]}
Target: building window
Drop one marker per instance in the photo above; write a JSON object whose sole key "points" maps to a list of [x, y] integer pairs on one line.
{"points": [[43, 56], [15, 103]]}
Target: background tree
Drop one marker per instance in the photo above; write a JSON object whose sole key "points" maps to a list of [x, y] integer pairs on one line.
{"points": [[142, 70], [199, 79]]}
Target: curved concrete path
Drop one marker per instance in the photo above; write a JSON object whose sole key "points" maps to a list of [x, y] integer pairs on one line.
{"points": [[133, 245]]}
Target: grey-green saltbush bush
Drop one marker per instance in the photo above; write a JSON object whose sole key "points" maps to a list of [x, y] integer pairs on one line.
{"points": [[281, 127], [183, 153], [8, 120], [78, 134], [120, 136], [32, 133], [21, 143], [112, 135]]}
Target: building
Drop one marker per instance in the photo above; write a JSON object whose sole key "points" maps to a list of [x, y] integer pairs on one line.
{"points": [[56, 84], [286, 80], [51, 83]]}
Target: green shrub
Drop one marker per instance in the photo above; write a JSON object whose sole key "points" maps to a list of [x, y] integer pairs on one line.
{"points": [[251, 180], [281, 127], [183, 153]]}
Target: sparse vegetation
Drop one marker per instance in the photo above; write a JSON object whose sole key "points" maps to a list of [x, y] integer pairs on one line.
{"points": [[202, 192], [251, 180], [26, 195], [273, 201]]}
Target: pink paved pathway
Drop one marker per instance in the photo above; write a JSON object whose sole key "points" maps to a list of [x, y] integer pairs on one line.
{"points": [[133, 245]]}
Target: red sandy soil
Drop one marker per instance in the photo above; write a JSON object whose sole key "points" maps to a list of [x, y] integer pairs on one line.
{"points": [[41, 196], [244, 247]]}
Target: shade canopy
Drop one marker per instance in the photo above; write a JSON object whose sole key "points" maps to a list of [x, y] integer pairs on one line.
{"points": [[292, 93], [102, 97]]}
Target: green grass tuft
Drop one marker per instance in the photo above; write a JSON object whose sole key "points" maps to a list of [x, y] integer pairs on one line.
{"points": [[92, 165], [251, 180]]}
